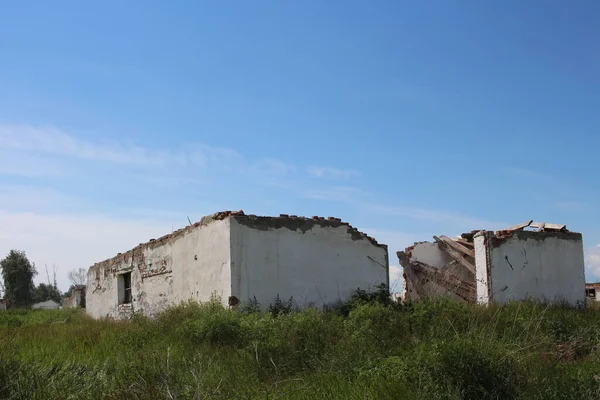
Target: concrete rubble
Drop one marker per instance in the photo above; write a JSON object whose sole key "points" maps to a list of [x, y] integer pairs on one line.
{"points": [[444, 267]]}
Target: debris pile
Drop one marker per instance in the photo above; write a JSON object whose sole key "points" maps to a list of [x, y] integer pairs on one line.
{"points": [[446, 266]]}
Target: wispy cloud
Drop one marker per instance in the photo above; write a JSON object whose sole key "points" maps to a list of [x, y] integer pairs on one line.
{"points": [[332, 173], [53, 141], [73, 241], [273, 166], [336, 193], [204, 155], [33, 142], [592, 263], [29, 165], [527, 173], [22, 198], [439, 216], [396, 281]]}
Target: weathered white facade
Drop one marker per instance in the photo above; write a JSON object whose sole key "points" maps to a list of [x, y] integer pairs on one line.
{"points": [[518, 265], [238, 257]]}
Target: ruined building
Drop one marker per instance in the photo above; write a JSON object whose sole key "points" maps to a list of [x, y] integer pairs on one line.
{"points": [[592, 291], [237, 257], [527, 261], [77, 298]]}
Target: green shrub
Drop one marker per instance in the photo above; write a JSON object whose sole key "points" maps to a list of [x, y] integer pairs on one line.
{"points": [[217, 326]]}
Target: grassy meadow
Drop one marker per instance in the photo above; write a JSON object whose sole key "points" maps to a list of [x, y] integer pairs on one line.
{"points": [[367, 349]]}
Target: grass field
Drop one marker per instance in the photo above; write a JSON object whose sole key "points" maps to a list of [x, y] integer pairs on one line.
{"points": [[366, 350]]}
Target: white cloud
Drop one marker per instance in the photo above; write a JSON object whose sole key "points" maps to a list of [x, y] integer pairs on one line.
{"points": [[204, 155], [36, 151], [54, 141], [333, 173], [271, 166], [21, 164], [27, 198], [396, 281], [73, 241], [592, 263]]}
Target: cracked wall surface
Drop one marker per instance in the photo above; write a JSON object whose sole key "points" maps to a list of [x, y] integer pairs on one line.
{"points": [[190, 264], [237, 257], [519, 265], [315, 263]]}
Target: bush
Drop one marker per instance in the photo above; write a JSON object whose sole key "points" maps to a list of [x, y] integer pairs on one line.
{"points": [[281, 307], [215, 325], [381, 295]]}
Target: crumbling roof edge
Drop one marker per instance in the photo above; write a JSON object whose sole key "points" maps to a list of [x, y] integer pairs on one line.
{"points": [[283, 220], [294, 222]]}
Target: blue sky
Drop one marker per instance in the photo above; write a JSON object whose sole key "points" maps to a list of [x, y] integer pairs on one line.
{"points": [[407, 119]]}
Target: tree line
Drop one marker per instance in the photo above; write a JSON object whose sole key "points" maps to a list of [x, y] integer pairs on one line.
{"points": [[17, 285]]}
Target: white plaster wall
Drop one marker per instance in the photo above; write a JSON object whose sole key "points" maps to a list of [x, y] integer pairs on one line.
{"points": [[547, 268], [317, 267], [204, 257], [193, 265], [481, 268], [101, 292], [430, 254]]}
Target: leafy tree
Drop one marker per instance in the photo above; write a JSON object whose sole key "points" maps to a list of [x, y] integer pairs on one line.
{"points": [[18, 273], [45, 292]]}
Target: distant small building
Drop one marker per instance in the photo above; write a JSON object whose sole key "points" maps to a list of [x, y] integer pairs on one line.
{"points": [[77, 299], [2, 304], [46, 305], [592, 291]]}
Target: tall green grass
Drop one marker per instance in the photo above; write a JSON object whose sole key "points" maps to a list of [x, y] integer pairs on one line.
{"points": [[367, 349]]}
